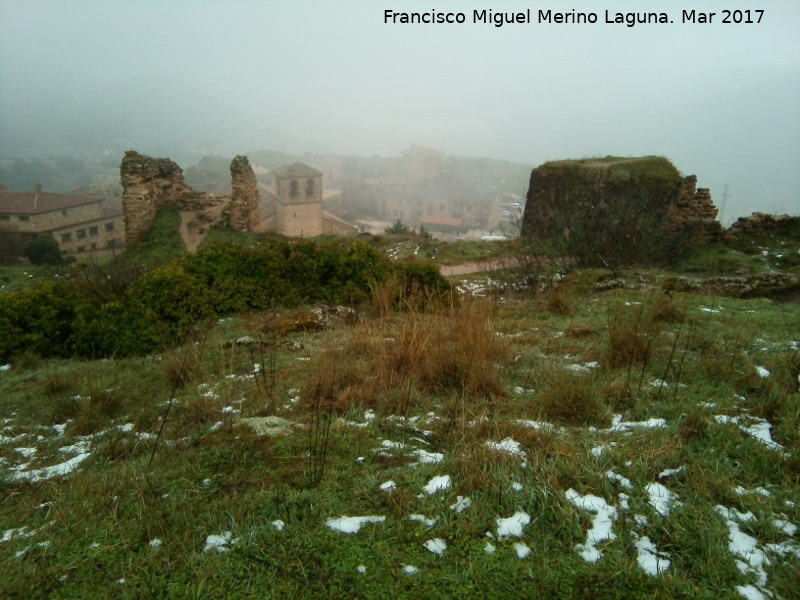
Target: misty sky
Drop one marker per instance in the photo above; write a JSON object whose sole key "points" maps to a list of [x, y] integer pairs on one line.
{"points": [[720, 100]]}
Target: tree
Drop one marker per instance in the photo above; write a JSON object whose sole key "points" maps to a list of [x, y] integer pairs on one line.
{"points": [[42, 250], [398, 227]]}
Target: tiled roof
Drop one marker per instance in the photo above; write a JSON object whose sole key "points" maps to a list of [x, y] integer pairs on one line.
{"points": [[448, 221], [296, 170], [35, 203]]}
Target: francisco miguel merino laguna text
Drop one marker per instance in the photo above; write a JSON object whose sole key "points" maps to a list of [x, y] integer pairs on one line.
{"points": [[498, 19]]}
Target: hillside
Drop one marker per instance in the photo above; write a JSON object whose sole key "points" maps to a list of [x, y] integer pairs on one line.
{"points": [[612, 435]]}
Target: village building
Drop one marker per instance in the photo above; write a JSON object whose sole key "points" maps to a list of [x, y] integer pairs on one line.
{"points": [[80, 224], [299, 204]]}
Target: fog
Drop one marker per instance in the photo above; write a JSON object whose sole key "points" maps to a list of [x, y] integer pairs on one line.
{"points": [[722, 101]]}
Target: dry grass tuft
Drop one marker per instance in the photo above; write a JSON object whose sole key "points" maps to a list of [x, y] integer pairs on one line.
{"points": [[629, 338], [618, 395], [557, 301], [694, 426], [183, 366], [572, 400], [667, 310], [390, 363], [578, 331]]}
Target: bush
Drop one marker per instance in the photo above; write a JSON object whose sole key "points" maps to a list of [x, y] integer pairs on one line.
{"points": [[397, 228], [122, 312], [42, 250]]}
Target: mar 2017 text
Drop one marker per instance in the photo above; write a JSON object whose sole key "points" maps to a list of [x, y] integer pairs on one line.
{"points": [[500, 18]]}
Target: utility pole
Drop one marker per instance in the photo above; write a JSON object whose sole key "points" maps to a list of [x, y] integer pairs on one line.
{"points": [[724, 202]]}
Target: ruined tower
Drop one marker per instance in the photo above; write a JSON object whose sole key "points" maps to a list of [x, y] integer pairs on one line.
{"points": [[149, 184]]}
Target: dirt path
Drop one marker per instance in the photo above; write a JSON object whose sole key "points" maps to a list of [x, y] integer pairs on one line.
{"points": [[193, 221], [467, 268]]}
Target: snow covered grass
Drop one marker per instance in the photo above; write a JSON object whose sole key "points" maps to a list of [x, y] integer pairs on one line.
{"points": [[484, 450]]}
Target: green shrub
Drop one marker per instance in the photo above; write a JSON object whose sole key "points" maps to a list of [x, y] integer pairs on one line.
{"points": [[94, 315], [42, 250]]}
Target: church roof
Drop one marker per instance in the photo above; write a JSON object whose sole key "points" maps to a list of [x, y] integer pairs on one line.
{"points": [[296, 170]]}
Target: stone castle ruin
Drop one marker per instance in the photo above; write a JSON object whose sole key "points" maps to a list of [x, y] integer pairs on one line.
{"points": [[150, 184], [613, 210]]}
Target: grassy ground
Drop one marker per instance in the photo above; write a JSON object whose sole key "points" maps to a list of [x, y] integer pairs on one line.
{"points": [[562, 414]]}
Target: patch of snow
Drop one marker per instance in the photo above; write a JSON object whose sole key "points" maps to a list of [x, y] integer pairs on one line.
{"points": [[53, 471], [26, 452], [155, 543], [388, 486], [428, 458], [513, 525], [749, 558], [77, 448], [19, 532], [618, 425], [741, 490], [522, 550], [584, 368], [759, 429], [661, 499], [709, 310], [410, 569], [667, 473], [516, 486], [5, 367], [763, 372], [220, 543], [361, 569], [622, 480], [604, 517], [462, 503], [509, 446], [436, 546], [278, 525], [650, 559], [541, 426], [784, 525], [351, 524], [437, 484], [641, 521], [422, 519], [598, 451], [489, 548], [59, 429], [521, 391]]}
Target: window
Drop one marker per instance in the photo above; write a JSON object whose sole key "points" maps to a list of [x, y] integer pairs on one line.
{"points": [[293, 188], [81, 233], [112, 243], [93, 231], [24, 218], [5, 218], [81, 248], [66, 237], [110, 226], [94, 246], [63, 213], [309, 187]]}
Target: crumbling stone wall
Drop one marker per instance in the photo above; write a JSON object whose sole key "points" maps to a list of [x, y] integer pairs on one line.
{"points": [[613, 210], [149, 184], [243, 212], [760, 222]]}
